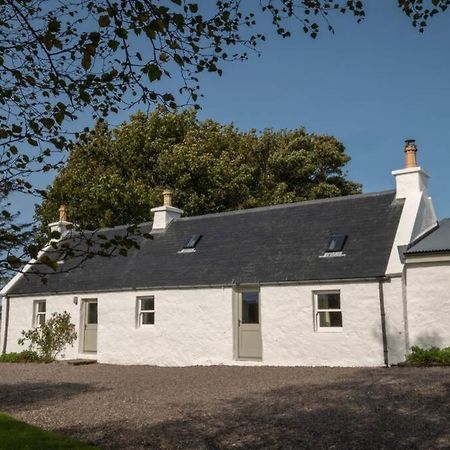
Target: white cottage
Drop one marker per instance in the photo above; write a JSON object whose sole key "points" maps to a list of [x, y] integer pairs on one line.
{"points": [[320, 282]]}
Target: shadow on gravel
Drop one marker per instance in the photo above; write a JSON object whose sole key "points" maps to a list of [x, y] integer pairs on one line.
{"points": [[382, 413], [26, 395]]}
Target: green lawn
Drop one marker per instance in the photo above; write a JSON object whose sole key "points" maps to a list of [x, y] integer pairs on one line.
{"points": [[15, 435]]}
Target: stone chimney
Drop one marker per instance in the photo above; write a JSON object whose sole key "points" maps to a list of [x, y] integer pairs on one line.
{"points": [[412, 179], [63, 225], [163, 215]]}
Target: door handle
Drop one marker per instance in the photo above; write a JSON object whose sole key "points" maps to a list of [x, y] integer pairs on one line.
{"points": [[239, 322]]}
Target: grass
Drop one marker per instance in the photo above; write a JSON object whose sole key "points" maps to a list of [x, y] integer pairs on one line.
{"points": [[16, 435]]}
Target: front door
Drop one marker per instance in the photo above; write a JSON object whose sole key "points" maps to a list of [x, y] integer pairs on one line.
{"points": [[249, 328], [90, 325]]}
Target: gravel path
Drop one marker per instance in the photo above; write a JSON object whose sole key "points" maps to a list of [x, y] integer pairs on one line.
{"points": [[132, 407]]}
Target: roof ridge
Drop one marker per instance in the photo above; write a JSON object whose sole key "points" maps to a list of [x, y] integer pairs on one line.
{"points": [[288, 205], [119, 227]]}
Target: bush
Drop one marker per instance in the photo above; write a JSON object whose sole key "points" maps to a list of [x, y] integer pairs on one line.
{"points": [[50, 338], [25, 356], [428, 356]]}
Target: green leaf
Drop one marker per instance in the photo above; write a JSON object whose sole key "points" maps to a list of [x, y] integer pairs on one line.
{"points": [[104, 21], [86, 61], [47, 122], [154, 72], [13, 261], [122, 33], [193, 7], [53, 25], [112, 44]]}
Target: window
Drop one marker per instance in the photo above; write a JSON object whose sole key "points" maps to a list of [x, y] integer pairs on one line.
{"points": [[336, 242], [146, 311], [39, 308], [328, 314], [250, 307], [191, 243]]}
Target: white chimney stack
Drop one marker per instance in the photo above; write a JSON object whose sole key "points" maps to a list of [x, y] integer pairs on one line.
{"points": [[63, 225], [163, 215], [418, 215], [412, 179]]}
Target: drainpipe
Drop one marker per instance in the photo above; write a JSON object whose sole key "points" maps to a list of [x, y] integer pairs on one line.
{"points": [[383, 322], [6, 319], [405, 308]]}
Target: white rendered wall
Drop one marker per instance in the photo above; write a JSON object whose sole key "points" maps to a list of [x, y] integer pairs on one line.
{"points": [[428, 293], [192, 327], [395, 326], [288, 327], [195, 326], [21, 318]]}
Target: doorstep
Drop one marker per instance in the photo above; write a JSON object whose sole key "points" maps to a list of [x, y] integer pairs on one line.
{"points": [[81, 362]]}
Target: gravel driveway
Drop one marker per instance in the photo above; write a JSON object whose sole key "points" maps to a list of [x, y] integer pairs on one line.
{"points": [[131, 407]]}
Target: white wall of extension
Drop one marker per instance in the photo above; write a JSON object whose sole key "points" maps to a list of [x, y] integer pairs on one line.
{"points": [[196, 326], [428, 294]]}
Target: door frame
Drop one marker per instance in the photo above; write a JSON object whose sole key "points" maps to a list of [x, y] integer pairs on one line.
{"points": [[83, 317], [237, 292]]}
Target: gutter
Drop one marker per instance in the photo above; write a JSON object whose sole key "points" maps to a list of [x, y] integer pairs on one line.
{"points": [[233, 284]]}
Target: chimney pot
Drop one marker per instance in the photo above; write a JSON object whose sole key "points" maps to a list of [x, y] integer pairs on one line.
{"points": [[63, 213], [410, 153], [167, 194]]}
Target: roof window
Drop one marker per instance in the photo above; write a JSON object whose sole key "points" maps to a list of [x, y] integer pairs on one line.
{"points": [[191, 243], [336, 243]]}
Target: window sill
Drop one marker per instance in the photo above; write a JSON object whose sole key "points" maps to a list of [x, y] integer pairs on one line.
{"points": [[329, 330]]}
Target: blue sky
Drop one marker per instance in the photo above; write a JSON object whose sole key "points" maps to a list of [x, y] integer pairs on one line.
{"points": [[371, 85]]}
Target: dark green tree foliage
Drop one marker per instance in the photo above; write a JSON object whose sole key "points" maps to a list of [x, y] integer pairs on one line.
{"points": [[60, 59], [116, 176]]}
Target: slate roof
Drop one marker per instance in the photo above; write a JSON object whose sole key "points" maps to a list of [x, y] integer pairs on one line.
{"points": [[261, 245], [436, 241]]}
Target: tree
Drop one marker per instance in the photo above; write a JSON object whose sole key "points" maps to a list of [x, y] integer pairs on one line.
{"points": [[116, 176], [52, 337], [61, 59]]}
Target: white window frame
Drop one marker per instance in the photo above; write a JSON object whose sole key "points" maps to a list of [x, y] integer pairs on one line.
{"points": [[37, 313], [141, 312], [317, 312]]}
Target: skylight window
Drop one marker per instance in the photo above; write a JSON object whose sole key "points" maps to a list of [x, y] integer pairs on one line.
{"points": [[336, 243], [191, 243]]}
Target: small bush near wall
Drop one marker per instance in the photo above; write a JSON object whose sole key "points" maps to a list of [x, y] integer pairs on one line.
{"points": [[25, 356], [50, 338], [429, 356]]}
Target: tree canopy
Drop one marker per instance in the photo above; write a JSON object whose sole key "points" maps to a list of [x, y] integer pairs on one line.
{"points": [[115, 177], [59, 60]]}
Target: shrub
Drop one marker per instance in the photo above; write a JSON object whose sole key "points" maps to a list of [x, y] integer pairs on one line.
{"points": [[50, 338], [433, 355], [19, 357]]}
